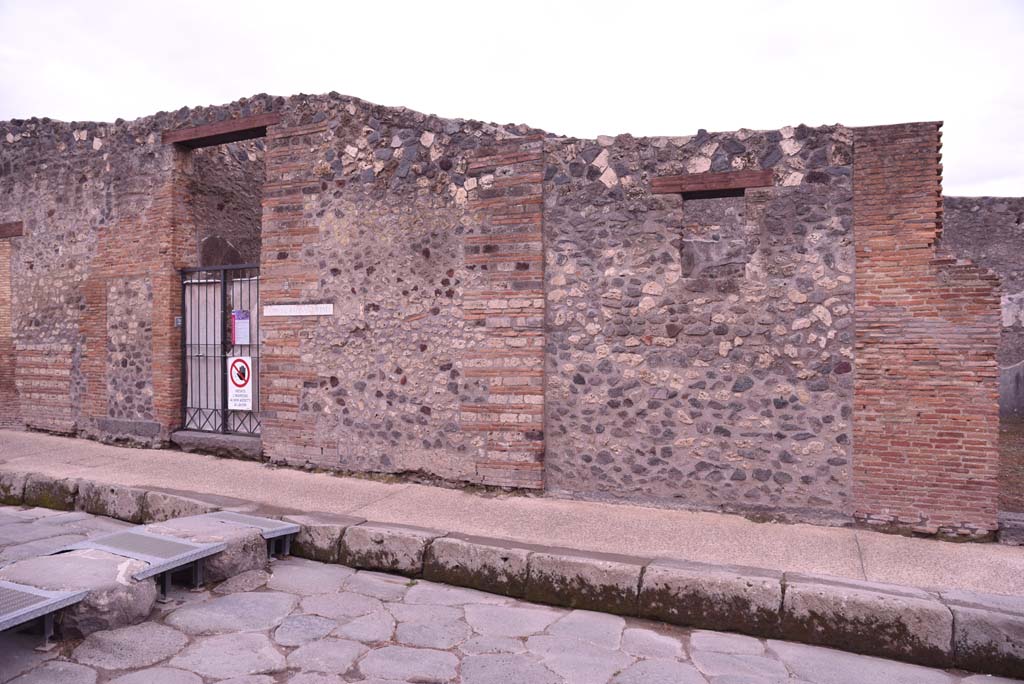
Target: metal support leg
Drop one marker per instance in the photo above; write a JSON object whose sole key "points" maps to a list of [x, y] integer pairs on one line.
{"points": [[287, 544], [163, 581], [48, 643], [270, 548], [198, 574]]}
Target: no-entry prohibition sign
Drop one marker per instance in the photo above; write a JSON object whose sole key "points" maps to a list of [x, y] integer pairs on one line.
{"points": [[240, 383]]}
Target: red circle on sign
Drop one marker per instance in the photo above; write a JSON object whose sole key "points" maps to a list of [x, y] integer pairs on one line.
{"points": [[245, 375]]}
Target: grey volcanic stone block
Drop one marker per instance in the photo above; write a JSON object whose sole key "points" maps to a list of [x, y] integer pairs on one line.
{"points": [[112, 501], [114, 599], [494, 565], [988, 633], [720, 597], [132, 647], [320, 535], [246, 548], [12, 488], [50, 492], [884, 620], [387, 547], [161, 506], [592, 581], [227, 446]]}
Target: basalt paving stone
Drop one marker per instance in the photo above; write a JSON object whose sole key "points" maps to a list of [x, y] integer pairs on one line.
{"points": [[646, 643], [827, 666], [58, 672], [340, 606], [375, 627], [413, 664], [158, 675], [719, 664], [424, 614], [332, 656], [230, 655], [250, 580], [482, 645], [511, 621], [244, 612], [578, 662], [315, 678], [378, 585], [130, 647], [661, 672], [307, 578], [721, 642], [501, 669], [443, 595], [598, 628], [443, 635], [296, 630]]}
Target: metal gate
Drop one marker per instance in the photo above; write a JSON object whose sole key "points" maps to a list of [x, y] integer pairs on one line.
{"points": [[220, 322]]}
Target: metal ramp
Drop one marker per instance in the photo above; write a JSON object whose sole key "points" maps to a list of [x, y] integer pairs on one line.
{"points": [[163, 554], [277, 533], [20, 603]]}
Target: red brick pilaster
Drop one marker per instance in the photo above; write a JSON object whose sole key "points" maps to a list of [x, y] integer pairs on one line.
{"points": [[504, 318], [926, 395]]}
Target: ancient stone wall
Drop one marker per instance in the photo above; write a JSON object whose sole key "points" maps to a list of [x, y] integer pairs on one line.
{"points": [[926, 409], [385, 214], [107, 222], [701, 349], [990, 232], [491, 304]]}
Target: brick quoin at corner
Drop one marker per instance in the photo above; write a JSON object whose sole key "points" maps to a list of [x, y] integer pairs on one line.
{"points": [[771, 323]]}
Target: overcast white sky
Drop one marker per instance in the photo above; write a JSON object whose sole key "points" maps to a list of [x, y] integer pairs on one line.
{"points": [[576, 68]]}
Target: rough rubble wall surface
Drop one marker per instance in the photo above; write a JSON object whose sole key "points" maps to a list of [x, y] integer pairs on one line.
{"points": [[701, 350], [378, 211], [926, 410], [226, 196], [990, 232], [107, 223]]}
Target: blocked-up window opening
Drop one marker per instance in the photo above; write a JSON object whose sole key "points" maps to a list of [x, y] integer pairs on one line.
{"points": [[713, 249]]}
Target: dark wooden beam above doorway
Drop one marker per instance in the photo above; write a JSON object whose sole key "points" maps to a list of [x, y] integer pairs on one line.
{"points": [[230, 130]]}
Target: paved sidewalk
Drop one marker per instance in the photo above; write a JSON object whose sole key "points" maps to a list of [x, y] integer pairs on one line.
{"points": [[635, 530]]}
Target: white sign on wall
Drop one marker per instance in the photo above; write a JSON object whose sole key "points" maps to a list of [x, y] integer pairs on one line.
{"points": [[240, 383]]}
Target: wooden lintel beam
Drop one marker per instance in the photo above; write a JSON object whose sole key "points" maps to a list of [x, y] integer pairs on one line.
{"points": [[12, 229], [230, 130], [712, 182]]}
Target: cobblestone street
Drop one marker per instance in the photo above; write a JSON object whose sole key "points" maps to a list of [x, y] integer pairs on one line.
{"points": [[316, 623]]}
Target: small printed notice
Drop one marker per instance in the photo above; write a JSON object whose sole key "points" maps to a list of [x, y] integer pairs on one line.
{"points": [[240, 383], [240, 327]]}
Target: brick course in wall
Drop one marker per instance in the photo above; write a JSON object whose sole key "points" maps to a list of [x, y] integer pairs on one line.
{"points": [[925, 402], [504, 314], [8, 387]]}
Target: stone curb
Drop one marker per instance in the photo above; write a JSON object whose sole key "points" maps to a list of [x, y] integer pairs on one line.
{"points": [[971, 631]]}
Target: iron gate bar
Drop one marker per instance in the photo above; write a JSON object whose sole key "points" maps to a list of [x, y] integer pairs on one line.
{"points": [[204, 405]]}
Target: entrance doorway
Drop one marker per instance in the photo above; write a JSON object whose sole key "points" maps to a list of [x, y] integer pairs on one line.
{"points": [[221, 351]]}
